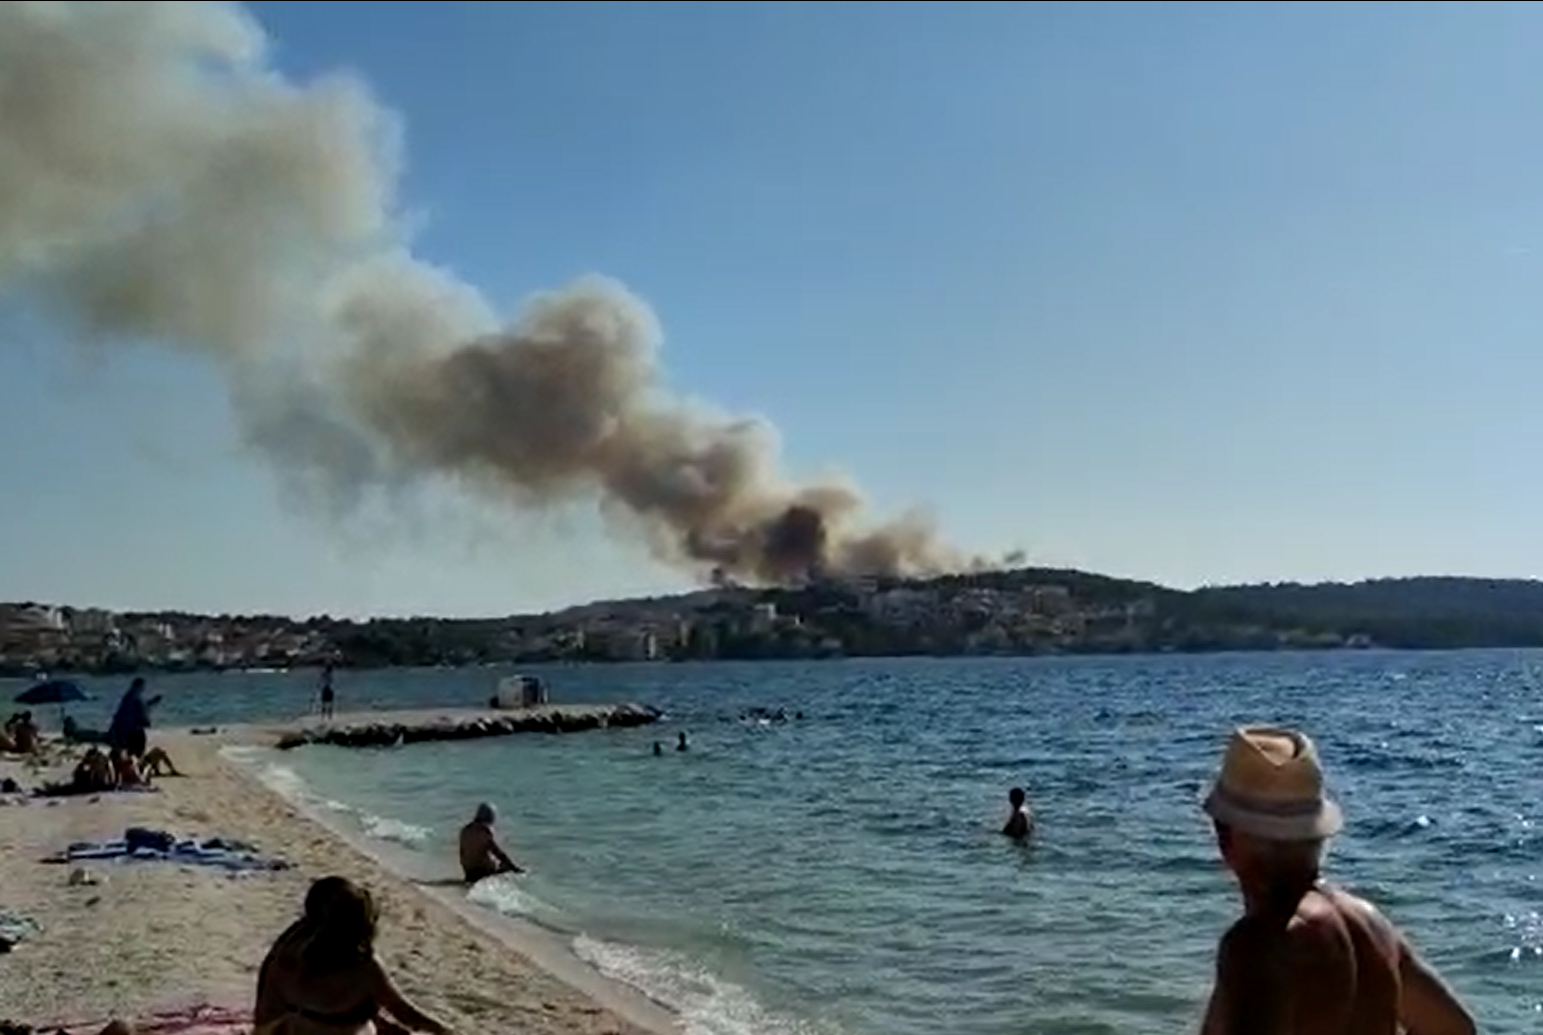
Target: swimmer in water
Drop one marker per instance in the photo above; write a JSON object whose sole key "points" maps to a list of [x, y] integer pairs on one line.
{"points": [[682, 745], [1020, 823], [480, 854]]}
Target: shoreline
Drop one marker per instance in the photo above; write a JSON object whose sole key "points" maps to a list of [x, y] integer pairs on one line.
{"points": [[543, 947], [149, 936], [28, 671]]}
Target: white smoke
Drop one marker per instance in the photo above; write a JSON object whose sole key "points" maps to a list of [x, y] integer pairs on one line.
{"points": [[161, 183]]}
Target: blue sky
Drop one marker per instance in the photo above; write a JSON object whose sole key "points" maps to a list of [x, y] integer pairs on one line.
{"points": [[1193, 292]]}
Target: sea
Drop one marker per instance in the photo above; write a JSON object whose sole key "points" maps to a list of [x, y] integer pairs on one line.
{"points": [[841, 872]]}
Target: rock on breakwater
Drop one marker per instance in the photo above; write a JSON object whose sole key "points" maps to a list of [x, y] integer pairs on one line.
{"points": [[382, 729]]}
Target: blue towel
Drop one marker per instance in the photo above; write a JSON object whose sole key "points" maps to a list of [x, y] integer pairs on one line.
{"points": [[141, 845], [14, 927]]}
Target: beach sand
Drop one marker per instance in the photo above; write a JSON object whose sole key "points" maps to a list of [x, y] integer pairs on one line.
{"points": [[157, 935]]}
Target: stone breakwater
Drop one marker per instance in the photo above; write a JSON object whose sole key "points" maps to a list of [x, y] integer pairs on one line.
{"points": [[383, 729]]}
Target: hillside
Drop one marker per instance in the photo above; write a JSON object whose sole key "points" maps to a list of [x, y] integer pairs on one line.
{"points": [[1428, 611], [1019, 611]]}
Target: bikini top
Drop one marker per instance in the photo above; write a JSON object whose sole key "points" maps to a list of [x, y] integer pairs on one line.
{"points": [[354, 1018]]}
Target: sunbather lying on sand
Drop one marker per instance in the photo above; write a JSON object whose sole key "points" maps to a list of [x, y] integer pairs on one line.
{"points": [[97, 773], [93, 772], [75, 733], [322, 978]]}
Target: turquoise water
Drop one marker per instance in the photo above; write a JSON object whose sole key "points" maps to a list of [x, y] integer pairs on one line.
{"points": [[842, 873]]}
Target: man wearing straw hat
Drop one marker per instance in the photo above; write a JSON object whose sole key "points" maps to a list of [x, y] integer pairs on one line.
{"points": [[1306, 958]]}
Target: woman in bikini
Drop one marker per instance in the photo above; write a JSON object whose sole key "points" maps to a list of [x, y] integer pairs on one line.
{"points": [[322, 978]]}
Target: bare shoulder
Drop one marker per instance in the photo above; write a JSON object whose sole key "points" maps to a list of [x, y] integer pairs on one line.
{"points": [[1368, 921], [1312, 929], [1353, 903], [1265, 964]]}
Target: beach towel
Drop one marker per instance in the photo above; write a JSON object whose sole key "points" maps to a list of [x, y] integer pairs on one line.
{"points": [[194, 1020], [70, 790], [142, 845], [15, 928]]}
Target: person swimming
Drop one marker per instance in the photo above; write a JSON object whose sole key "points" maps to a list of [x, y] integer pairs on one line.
{"points": [[1020, 822], [481, 855], [681, 746]]}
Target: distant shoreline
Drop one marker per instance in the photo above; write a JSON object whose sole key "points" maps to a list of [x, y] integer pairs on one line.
{"points": [[24, 673], [1027, 612]]}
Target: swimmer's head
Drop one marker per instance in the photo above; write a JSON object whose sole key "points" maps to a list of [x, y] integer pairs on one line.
{"points": [[1016, 797], [486, 814]]}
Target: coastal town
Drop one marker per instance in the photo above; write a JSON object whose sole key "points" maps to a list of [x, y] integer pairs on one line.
{"points": [[1027, 611]]}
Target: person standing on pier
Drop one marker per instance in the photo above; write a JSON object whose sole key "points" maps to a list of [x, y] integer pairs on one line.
{"points": [[327, 696]]}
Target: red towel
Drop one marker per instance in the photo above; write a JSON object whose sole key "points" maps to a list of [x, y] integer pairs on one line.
{"points": [[195, 1020]]}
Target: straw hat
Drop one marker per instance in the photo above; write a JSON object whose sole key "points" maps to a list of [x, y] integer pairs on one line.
{"points": [[1271, 786]]}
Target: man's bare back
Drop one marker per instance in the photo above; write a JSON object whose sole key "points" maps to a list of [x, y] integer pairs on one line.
{"points": [[1334, 966], [1307, 958], [480, 853]]}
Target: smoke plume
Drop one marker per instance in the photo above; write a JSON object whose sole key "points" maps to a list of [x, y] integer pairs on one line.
{"points": [[161, 183]]}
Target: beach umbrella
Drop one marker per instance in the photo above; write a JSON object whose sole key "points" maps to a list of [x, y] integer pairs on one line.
{"points": [[53, 691]]}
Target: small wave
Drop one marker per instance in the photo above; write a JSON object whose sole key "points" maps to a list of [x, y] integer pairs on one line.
{"points": [[506, 895], [384, 828], [1397, 828], [291, 786], [1384, 756], [280, 779], [705, 1003]]}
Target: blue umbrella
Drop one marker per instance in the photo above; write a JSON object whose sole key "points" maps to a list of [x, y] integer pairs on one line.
{"points": [[53, 691]]}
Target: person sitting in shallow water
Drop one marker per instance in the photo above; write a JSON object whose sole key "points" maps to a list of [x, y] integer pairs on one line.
{"points": [[481, 856], [1020, 822], [322, 978]]}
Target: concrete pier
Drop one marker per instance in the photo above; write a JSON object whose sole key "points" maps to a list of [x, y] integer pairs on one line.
{"points": [[383, 729]]}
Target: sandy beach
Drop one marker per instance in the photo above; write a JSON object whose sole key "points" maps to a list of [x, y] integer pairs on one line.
{"points": [[156, 935]]}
